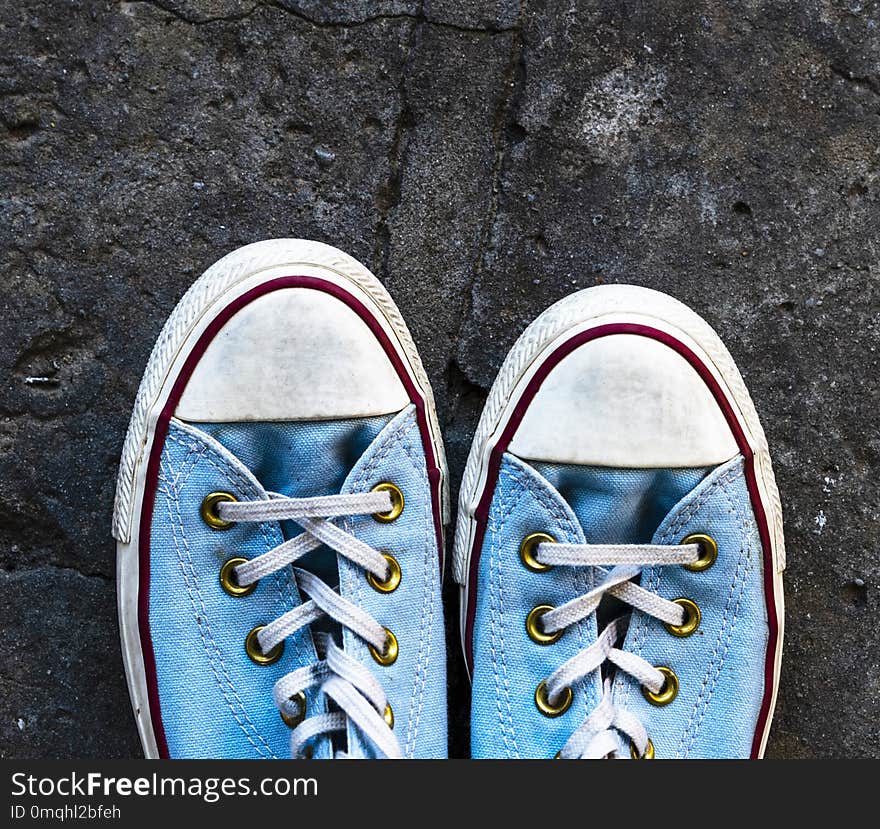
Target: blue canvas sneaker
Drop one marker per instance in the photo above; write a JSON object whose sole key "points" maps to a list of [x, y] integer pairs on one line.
{"points": [[279, 516], [619, 542]]}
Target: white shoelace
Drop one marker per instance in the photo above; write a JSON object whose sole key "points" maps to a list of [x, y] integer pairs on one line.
{"points": [[351, 685], [619, 563]]}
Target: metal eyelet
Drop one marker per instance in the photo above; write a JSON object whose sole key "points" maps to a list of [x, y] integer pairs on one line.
{"points": [[388, 716], [708, 551], [294, 719], [691, 620], [534, 629], [228, 582], [549, 709], [390, 584], [208, 510], [252, 647], [528, 548], [649, 751], [667, 693], [388, 656], [396, 503]]}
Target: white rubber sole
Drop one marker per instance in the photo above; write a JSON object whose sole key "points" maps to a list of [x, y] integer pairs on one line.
{"points": [[579, 312], [222, 283]]}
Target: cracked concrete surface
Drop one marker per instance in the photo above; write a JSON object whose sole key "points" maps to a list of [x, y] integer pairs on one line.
{"points": [[485, 158]]}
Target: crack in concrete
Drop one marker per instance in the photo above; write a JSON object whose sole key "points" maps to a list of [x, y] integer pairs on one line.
{"points": [[420, 18], [190, 19], [871, 84], [388, 197], [459, 387], [513, 84]]}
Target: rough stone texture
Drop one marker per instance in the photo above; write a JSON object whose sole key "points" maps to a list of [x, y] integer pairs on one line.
{"points": [[484, 159]]}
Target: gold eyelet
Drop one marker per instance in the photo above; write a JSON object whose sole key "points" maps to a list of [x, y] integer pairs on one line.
{"points": [[294, 719], [252, 647], [208, 510], [390, 584], [396, 503], [708, 551], [389, 655], [547, 708], [528, 548], [667, 693], [388, 716], [228, 582], [691, 620], [533, 626], [649, 751]]}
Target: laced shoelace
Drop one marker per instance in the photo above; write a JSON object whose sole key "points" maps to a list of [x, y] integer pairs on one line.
{"points": [[597, 736], [356, 692]]}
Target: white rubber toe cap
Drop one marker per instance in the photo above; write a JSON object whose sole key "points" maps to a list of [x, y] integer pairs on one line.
{"points": [[624, 401], [293, 354]]}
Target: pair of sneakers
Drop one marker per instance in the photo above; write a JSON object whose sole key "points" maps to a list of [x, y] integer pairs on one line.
{"points": [[280, 513]]}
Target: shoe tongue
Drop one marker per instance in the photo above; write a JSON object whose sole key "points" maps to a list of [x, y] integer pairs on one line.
{"points": [[620, 506], [300, 459]]}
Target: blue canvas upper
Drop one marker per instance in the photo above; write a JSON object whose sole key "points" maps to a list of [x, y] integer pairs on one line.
{"points": [[215, 702], [720, 666], [619, 506]]}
